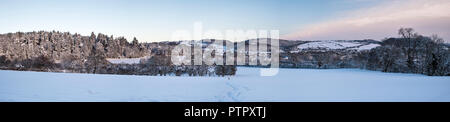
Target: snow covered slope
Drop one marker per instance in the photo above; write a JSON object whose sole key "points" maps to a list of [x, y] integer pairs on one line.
{"points": [[338, 45], [247, 85]]}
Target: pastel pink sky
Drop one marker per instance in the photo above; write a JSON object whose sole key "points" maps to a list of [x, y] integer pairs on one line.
{"points": [[383, 20]]}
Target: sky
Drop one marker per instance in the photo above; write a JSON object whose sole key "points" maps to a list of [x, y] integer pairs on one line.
{"points": [[157, 20]]}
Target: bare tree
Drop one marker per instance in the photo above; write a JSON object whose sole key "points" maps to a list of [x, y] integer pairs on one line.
{"points": [[409, 35]]}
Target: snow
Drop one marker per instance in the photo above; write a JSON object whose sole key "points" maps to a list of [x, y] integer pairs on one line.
{"points": [[336, 45], [333, 45], [366, 47], [124, 60], [247, 85]]}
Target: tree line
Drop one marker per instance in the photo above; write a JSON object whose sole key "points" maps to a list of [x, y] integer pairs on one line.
{"points": [[411, 53], [63, 52]]}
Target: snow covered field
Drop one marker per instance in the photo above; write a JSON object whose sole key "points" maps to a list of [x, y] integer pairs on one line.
{"points": [[124, 61], [247, 85], [336, 44]]}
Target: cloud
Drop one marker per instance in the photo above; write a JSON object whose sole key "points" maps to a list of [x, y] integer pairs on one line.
{"points": [[425, 16]]}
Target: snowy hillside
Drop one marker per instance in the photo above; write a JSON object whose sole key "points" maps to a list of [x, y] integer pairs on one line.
{"points": [[365, 47], [247, 85], [337, 45]]}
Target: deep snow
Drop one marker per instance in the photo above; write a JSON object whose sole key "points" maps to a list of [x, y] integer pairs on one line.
{"points": [[247, 85]]}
